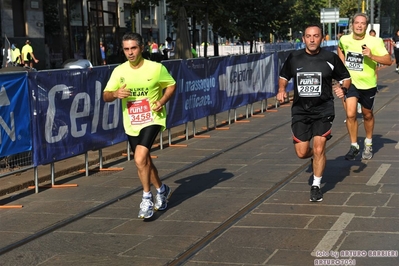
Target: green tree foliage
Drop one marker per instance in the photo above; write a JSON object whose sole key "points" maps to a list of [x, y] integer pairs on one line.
{"points": [[250, 19], [51, 17], [246, 20], [347, 8], [390, 8]]}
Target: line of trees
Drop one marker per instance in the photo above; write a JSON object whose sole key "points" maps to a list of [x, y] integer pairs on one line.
{"points": [[246, 20], [253, 19]]}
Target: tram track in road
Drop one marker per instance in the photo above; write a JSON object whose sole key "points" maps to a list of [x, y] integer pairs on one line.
{"points": [[65, 222], [203, 242]]}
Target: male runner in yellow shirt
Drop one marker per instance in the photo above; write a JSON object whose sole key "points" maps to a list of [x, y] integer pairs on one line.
{"points": [[144, 88], [361, 52]]}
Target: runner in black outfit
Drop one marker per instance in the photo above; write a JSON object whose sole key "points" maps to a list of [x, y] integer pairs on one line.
{"points": [[395, 43], [313, 70]]}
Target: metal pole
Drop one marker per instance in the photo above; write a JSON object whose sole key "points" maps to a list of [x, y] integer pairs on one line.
{"points": [[206, 34], [36, 177], [52, 170], [372, 14], [329, 24], [86, 163], [100, 158]]}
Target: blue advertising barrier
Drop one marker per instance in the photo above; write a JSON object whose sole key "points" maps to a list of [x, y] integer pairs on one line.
{"points": [[211, 86], [15, 121], [247, 79], [69, 115], [61, 114]]}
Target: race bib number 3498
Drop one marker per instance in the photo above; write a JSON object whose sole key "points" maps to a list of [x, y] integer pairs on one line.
{"points": [[139, 112], [309, 84]]}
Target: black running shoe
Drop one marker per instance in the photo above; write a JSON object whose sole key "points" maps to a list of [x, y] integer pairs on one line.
{"points": [[315, 194], [352, 153]]}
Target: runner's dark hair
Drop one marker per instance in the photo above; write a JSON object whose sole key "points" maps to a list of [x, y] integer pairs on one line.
{"points": [[313, 25], [133, 36]]}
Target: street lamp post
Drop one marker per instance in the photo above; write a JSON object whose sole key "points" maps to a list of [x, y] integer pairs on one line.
{"points": [[372, 14]]}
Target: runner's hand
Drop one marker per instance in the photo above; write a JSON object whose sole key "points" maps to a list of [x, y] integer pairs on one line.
{"points": [[339, 92], [122, 92], [366, 51], [157, 106], [281, 96]]}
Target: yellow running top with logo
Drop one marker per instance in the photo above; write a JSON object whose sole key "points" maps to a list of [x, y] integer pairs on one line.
{"points": [[146, 85], [362, 68]]}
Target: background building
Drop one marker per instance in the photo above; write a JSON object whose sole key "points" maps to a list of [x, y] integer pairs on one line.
{"points": [[65, 29], [22, 20]]}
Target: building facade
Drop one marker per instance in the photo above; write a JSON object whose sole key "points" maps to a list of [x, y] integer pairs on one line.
{"points": [[82, 25], [22, 20]]}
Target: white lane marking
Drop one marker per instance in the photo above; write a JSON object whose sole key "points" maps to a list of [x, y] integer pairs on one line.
{"points": [[332, 236], [375, 179]]}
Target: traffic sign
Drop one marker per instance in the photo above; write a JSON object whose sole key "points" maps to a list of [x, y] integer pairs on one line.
{"points": [[329, 15], [343, 22]]}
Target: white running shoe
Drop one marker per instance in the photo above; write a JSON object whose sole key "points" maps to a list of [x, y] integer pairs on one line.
{"points": [[146, 208], [161, 199], [367, 153]]}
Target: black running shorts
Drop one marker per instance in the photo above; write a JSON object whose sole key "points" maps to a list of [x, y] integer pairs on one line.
{"points": [[365, 97], [305, 128], [145, 138]]}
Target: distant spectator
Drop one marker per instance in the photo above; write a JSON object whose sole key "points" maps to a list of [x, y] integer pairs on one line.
{"points": [[6, 57], [339, 35], [164, 51], [27, 55], [1, 55], [395, 43], [170, 45], [161, 46], [154, 47], [298, 44], [103, 54], [194, 52], [372, 33], [16, 55]]}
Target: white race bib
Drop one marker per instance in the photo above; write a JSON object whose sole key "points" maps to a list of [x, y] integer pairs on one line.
{"points": [[354, 61], [309, 84], [139, 112]]}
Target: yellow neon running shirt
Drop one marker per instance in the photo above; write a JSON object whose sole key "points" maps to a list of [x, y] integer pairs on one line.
{"points": [[146, 85], [16, 53], [26, 49], [362, 68]]}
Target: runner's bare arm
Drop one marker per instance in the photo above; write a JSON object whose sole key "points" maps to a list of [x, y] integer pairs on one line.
{"points": [[282, 94], [168, 92], [341, 54]]}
